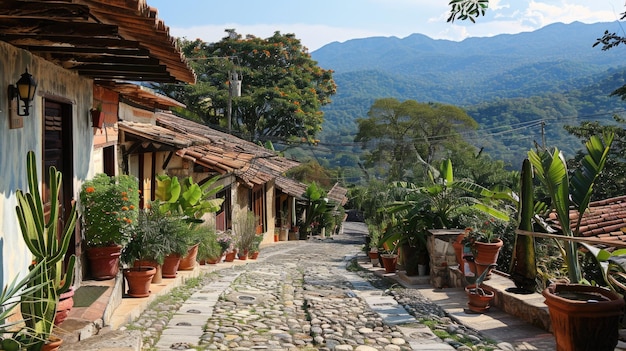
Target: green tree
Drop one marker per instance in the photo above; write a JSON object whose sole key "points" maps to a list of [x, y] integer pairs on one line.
{"points": [[402, 134], [612, 181], [282, 90]]}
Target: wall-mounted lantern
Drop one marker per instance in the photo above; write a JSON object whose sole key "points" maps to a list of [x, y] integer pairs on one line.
{"points": [[23, 90]]}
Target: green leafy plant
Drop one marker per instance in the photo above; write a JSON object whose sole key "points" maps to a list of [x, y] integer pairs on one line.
{"points": [[209, 247], [487, 231], [571, 192], [187, 197], [109, 207], [256, 243], [155, 236], [9, 299]]}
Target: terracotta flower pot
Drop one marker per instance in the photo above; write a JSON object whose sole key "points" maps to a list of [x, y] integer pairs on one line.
{"points": [[584, 317], [242, 255], [253, 255], [104, 261], [478, 302], [230, 256], [188, 262], [53, 344], [97, 119], [214, 260], [66, 302], [138, 280], [158, 275], [487, 253], [389, 262], [170, 265]]}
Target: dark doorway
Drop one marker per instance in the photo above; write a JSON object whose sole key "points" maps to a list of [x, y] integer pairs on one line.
{"points": [[58, 152]]}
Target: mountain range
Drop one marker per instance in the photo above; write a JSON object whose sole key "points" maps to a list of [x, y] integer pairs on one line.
{"points": [[553, 74]]}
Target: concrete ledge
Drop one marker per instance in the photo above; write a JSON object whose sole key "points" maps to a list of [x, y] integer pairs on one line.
{"points": [[129, 340], [531, 308], [528, 307]]}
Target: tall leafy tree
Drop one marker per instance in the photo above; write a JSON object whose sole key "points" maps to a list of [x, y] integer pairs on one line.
{"points": [[282, 90], [400, 134]]}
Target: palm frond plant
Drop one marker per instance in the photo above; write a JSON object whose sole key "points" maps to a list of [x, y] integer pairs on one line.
{"points": [[602, 309]]}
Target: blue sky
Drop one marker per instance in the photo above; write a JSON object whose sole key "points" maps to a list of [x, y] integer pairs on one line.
{"points": [[320, 22]]}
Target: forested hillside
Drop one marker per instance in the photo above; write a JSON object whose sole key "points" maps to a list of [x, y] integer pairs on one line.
{"points": [[510, 84]]}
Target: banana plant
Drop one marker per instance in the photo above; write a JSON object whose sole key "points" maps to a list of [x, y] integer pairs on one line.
{"points": [[187, 197], [571, 193], [41, 233]]}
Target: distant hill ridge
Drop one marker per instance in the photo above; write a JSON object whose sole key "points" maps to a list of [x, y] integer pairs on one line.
{"points": [[473, 73]]}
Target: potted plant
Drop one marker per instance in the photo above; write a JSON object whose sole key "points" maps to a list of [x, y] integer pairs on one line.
{"points": [[190, 200], [48, 244], [146, 250], [256, 247], [108, 206], [479, 297], [484, 242], [389, 256], [245, 229], [97, 117], [226, 240], [209, 249], [577, 306]]}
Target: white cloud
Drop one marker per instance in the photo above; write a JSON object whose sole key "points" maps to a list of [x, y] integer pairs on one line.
{"points": [[311, 36]]}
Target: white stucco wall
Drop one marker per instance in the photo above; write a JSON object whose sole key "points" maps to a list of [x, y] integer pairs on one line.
{"points": [[54, 83]]}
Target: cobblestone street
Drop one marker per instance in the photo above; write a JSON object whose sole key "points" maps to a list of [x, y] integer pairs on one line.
{"points": [[301, 295]]}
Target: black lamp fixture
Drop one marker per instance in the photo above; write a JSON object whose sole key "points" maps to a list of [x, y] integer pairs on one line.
{"points": [[23, 90]]}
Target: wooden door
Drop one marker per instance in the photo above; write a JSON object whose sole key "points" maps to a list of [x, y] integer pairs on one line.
{"points": [[58, 152]]}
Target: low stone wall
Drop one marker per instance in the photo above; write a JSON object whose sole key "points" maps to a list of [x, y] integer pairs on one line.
{"points": [[528, 307]]}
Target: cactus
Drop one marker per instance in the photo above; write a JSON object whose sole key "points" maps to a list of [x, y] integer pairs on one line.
{"points": [[523, 265], [39, 307]]}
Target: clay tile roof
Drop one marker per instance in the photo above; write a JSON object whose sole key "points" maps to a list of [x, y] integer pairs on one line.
{"points": [[251, 163], [338, 194], [101, 39], [605, 219], [144, 132], [291, 187]]}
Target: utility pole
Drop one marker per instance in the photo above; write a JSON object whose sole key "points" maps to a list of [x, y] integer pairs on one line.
{"points": [[543, 134], [234, 90]]}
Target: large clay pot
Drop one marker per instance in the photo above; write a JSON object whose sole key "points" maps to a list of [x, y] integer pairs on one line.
{"points": [[138, 280], [389, 262], [104, 261], [478, 302], [487, 253], [242, 255], [158, 275], [584, 317], [188, 262], [66, 302], [170, 265]]}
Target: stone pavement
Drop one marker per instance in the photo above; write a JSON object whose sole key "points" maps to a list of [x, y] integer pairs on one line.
{"points": [[299, 296]]}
